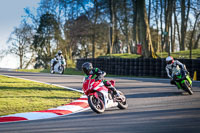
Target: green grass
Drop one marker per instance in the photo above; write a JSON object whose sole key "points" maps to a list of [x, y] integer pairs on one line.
{"points": [[17, 95], [126, 55], [180, 54], [68, 71]]}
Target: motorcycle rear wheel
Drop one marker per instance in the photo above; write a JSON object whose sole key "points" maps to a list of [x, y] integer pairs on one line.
{"points": [[96, 104], [122, 104]]}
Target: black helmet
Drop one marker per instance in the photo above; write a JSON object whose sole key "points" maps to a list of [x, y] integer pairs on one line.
{"points": [[87, 67]]}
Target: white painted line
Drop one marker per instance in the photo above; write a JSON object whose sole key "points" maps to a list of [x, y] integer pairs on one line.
{"points": [[34, 115], [72, 108], [85, 101]]}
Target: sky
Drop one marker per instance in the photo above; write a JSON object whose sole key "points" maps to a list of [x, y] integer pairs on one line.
{"points": [[11, 12]]}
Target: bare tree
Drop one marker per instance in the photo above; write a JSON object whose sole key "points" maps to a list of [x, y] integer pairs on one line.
{"points": [[21, 39]]}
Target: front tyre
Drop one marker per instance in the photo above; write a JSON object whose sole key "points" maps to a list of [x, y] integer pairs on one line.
{"points": [[96, 104], [187, 87], [52, 71], [123, 103], [61, 69]]}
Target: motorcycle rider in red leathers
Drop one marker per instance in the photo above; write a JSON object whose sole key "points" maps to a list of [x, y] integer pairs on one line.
{"points": [[97, 74]]}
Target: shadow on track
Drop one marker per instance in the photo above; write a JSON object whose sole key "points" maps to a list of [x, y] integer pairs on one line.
{"points": [[157, 94]]}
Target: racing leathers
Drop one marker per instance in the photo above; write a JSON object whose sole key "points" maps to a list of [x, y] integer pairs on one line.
{"points": [[169, 68], [97, 74], [56, 59]]}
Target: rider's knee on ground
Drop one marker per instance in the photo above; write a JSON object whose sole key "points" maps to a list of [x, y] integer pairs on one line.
{"points": [[172, 82]]}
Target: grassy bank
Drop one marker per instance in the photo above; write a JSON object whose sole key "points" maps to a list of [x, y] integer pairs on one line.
{"points": [[17, 95], [180, 54]]}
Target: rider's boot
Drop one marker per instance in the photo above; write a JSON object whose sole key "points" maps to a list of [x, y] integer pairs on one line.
{"points": [[111, 87], [114, 91]]}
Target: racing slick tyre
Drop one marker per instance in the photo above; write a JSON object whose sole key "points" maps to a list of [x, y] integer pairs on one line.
{"points": [[187, 87], [61, 69], [122, 104], [96, 104], [52, 71]]}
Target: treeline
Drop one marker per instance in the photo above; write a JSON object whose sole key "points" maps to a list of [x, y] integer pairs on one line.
{"points": [[89, 28]]}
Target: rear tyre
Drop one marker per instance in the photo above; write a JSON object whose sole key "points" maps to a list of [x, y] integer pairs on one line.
{"points": [[96, 104], [122, 104]]}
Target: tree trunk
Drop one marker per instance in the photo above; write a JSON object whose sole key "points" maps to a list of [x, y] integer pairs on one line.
{"points": [[145, 35], [168, 19], [126, 26], [196, 44], [20, 61], [112, 21], [149, 12], [161, 26], [94, 30], [174, 28], [193, 31], [177, 26], [135, 25], [158, 38], [21, 55], [184, 19]]}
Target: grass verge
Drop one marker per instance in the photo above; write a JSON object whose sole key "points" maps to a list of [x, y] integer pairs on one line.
{"points": [[179, 55], [17, 95], [68, 71]]}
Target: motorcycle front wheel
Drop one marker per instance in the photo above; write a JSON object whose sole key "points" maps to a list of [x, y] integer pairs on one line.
{"points": [[123, 103], [96, 104], [52, 71], [61, 70], [187, 87]]}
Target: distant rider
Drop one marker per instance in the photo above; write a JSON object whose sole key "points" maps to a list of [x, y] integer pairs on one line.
{"points": [[57, 57], [97, 74], [171, 63]]}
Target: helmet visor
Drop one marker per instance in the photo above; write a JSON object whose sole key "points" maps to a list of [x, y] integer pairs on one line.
{"points": [[169, 62], [86, 71]]}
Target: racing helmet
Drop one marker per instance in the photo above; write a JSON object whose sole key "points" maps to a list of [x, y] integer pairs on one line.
{"points": [[87, 67], [59, 52], [169, 60]]}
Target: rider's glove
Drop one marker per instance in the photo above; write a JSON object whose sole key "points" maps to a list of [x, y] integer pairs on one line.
{"points": [[100, 77], [96, 79]]}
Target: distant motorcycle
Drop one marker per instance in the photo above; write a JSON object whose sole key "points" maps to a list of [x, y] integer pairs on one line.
{"points": [[182, 82], [59, 67], [100, 97]]}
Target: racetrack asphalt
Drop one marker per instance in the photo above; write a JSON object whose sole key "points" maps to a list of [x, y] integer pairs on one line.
{"points": [[155, 106]]}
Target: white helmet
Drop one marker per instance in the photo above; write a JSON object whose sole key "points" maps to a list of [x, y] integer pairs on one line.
{"points": [[169, 60], [59, 52]]}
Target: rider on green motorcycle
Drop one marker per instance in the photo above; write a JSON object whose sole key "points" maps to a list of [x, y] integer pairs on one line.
{"points": [[171, 63]]}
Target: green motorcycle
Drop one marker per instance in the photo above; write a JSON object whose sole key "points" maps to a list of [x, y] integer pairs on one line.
{"points": [[182, 82]]}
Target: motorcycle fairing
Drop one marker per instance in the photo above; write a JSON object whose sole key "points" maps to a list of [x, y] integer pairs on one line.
{"points": [[91, 87]]}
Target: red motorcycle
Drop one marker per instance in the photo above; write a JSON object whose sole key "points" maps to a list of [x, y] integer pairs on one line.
{"points": [[100, 97]]}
